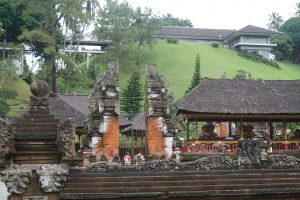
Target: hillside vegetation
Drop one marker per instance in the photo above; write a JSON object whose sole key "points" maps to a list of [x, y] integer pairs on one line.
{"points": [[177, 61], [23, 91]]}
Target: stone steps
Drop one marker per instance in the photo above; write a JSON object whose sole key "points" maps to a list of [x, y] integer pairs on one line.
{"points": [[86, 185], [43, 129], [35, 142]]}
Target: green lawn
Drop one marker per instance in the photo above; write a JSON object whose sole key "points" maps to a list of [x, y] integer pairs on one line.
{"points": [[176, 62]]}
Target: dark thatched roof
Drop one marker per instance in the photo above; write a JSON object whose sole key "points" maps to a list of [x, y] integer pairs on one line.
{"points": [[193, 32], [224, 96], [70, 106], [137, 123]]}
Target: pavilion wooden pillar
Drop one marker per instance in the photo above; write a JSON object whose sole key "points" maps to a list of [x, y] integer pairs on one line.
{"points": [[271, 130], [241, 130], [230, 130], [196, 130], [286, 145], [188, 131]]}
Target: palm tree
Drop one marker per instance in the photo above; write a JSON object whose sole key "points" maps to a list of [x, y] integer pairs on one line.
{"points": [[297, 13], [275, 21]]}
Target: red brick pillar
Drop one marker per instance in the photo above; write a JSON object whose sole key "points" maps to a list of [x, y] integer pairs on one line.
{"points": [[111, 137], [155, 136]]}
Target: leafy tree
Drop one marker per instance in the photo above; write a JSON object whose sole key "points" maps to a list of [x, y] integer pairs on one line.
{"points": [[114, 24], [297, 13], [275, 21], [196, 77], [292, 28], [145, 24], [169, 20], [132, 95], [284, 48], [126, 29]]}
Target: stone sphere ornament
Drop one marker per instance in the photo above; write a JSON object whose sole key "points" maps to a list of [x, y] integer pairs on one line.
{"points": [[39, 88]]}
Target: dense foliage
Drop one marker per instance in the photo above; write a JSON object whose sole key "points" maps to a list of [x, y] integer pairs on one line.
{"points": [[172, 40], [242, 74], [196, 77], [292, 28], [6, 93], [7, 71], [132, 96], [169, 20], [284, 48], [258, 58], [215, 44]]}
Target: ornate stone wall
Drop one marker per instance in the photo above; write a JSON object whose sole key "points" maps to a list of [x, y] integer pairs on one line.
{"points": [[103, 122], [35, 182]]}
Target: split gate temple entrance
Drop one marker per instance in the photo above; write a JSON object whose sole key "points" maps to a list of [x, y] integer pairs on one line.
{"points": [[154, 140]]}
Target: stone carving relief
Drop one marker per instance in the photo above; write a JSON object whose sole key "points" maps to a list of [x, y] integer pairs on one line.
{"points": [[66, 138], [249, 155], [36, 198], [7, 135], [52, 177], [16, 179]]}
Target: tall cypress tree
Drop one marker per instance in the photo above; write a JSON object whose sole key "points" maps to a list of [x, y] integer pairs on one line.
{"points": [[196, 77], [132, 96]]}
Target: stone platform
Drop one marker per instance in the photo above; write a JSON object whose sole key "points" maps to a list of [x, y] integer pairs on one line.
{"points": [[218, 184]]}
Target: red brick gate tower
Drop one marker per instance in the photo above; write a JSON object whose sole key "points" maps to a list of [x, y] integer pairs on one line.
{"points": [[160, 127], [104, 118]]}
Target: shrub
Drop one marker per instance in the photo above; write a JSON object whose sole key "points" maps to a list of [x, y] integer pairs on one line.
{"points": [[6, 93], [215, 44], [242, 74], [254, 56], [172, 40]]}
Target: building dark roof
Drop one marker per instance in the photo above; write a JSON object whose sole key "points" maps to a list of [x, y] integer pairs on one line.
{"points": [[193, 32], [255, 29], [224, 96], [214, 34], [70, 106]]}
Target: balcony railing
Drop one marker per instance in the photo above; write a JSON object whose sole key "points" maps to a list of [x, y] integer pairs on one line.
{"points": [[230, 146]]}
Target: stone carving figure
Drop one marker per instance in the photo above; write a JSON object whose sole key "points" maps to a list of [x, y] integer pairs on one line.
{"points": [[7, 135], [52, 177], [40, 96], [66, 138], [249, 152]]}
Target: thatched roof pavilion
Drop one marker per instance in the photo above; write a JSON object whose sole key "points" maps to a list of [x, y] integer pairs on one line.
{"points": [[242, 100]]}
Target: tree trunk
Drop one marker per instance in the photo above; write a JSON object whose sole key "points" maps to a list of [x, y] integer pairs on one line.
{"points": [[53, 65]]}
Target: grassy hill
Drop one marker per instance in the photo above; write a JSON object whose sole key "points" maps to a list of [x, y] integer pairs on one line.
{"points": [[23, 91], [177, 61]]}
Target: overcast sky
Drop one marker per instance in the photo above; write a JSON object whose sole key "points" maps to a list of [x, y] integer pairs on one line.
{"points": [[224, 14]]}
